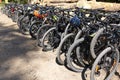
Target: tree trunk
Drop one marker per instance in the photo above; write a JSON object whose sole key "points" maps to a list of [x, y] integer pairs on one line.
{"points": [[29, 1], [6, 1], [0, 1], [94, 0]]}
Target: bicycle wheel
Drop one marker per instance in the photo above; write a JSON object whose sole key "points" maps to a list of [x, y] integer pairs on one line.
{"points": [[63, 47], [83, 56], [71, 29], [94, 42], [34, 28], [105, 64], [41, 31], [78, 35], [66, 29], [24, 23], [48, 39], [63, 44], [19, 19], [72, 61]]}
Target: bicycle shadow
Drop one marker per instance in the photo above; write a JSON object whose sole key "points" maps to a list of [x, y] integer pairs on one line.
{"points": [[14, 49], [83, 72], [117, 74]]}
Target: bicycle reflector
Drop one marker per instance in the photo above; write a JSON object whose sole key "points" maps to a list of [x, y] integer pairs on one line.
{"points": [[55, 18], [75, 21]]}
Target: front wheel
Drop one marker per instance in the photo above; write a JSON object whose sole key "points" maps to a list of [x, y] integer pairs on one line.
{"points": [[72, 61], [24, 25], [94, 41], [50, 39], [63, 47], [41, 31], [105, 64], [33, 29]]}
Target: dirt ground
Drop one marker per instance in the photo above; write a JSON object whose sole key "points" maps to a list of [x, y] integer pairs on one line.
{"points": [[21, 59]]}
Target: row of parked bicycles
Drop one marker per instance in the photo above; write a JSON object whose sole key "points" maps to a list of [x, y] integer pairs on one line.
{"points": [[84, 38]]}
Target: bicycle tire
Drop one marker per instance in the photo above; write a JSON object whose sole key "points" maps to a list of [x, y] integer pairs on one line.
{"points": [[40, 32], [42, 41], [37, 24], [60, 61], [69, 62], [66, 29], [22, 28], [78, 35], [105, 51], [94, 41]]}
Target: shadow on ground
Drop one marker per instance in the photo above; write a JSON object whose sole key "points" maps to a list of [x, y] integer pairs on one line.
{"points": [[12, 45]]}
